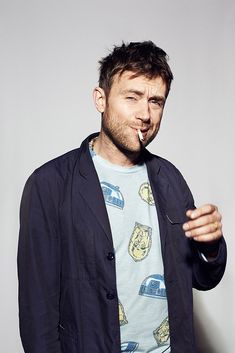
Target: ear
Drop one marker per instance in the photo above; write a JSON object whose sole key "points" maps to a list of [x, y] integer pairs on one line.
{"points": [[99, 99]]}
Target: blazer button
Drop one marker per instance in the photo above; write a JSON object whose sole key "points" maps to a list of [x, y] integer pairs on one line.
{"points": [[110, 256], [110, 296]]}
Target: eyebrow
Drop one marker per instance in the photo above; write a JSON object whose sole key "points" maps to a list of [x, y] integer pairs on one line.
{"points": [[135, 91], [140, 94]]}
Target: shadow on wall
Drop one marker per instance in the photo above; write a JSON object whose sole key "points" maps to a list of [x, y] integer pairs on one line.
{"points": [[207, 330]]}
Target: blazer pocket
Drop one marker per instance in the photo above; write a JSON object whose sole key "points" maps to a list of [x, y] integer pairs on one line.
{"points": [[176, 216], [64, 332], [69, 341], [175, 220], [179, 242]]}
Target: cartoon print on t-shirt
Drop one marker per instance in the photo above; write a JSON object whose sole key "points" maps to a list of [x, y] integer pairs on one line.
{"points": [[153, 286], [146, 194], [129, 347], [162, 333], [122, 315], [112, 195], [140, 242]]}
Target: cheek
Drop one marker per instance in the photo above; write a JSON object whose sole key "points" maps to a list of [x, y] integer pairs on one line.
{"points": [[122, 108], [119, 117], [157, 117], [155, 127], [123, 113]]}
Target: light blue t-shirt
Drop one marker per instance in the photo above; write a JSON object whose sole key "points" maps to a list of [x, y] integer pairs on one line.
{"points": [[143, 310]]}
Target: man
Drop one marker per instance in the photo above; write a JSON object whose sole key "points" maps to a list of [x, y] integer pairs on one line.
{"points": [[111, 243]]}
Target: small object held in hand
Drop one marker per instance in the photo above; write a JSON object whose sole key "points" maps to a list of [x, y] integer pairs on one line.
{"points": [[141, 137]]}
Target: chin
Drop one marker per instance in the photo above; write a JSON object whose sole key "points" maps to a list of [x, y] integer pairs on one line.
{"points": [[134, 149]]}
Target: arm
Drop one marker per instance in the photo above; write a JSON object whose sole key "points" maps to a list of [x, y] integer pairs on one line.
{"points": [[39, 266], [207, 274], [204, 231], [204, 228], [208, 247]]}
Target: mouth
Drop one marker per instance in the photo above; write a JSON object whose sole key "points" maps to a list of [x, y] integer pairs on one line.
{"points": [[142, 134]]}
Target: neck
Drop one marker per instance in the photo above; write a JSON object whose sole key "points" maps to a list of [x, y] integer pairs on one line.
{"points": [[105, 148]]}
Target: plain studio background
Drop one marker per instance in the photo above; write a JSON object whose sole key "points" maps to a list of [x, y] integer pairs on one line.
{"points": [[48, 63]]}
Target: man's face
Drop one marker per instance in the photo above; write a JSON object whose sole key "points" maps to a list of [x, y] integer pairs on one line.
{"points": [[133, 103]]}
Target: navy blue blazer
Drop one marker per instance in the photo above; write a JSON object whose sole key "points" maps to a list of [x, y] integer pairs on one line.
{"points": [[66, 261]]}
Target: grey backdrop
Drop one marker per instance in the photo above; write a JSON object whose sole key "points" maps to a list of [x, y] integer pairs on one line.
{"points": [[48, 64]]}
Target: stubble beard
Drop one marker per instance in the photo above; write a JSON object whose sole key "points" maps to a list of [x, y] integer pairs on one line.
{"points": [[116, 134]]}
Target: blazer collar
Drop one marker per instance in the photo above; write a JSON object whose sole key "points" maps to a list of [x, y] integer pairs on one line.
{"points": [[158, 181], [160, 189], [87, 184]]}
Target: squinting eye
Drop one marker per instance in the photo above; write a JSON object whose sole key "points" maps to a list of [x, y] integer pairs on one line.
{"points": [[157, 103], [130, 98]]}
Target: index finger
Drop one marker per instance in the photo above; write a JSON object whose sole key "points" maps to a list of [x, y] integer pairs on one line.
{"points": [[200, 211]]}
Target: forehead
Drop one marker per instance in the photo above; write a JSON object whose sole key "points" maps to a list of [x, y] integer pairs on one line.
{"points": [[129, 80]]}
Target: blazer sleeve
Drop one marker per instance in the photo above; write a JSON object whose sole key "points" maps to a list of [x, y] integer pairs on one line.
{"points": [[39, 265], [205, 274]]}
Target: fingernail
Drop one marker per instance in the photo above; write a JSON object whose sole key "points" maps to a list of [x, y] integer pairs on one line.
{"points": [[188, 234], [185, 226]]}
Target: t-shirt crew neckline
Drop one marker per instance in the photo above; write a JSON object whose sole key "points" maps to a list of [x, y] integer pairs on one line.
{"points": [[116, 167]]}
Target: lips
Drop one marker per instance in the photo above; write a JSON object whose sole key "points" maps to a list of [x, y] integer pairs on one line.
{"points": [[144, 132]]}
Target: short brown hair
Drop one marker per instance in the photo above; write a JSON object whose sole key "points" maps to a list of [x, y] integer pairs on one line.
{"points": [[142, 58]]}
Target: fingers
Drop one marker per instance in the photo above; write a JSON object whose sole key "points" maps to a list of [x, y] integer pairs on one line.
{"points": [[203, 210], [201, 221], [204, 224], [209, 237], [209, 232]]}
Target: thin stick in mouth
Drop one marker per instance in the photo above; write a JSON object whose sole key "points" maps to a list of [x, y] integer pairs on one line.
{"points": [[141, 137]]}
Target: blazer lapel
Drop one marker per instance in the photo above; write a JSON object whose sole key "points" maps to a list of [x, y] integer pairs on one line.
{"points": [[86, 182], [160, 189]]}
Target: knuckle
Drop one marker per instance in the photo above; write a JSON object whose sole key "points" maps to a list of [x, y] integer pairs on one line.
{"points": [[211, 218], [212, 227], [209, 208], [196, 223], [193, 233], [192, 224], [217, 235]]}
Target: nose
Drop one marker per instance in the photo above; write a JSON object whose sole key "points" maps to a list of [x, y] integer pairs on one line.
{"points": [[143, 113]]}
